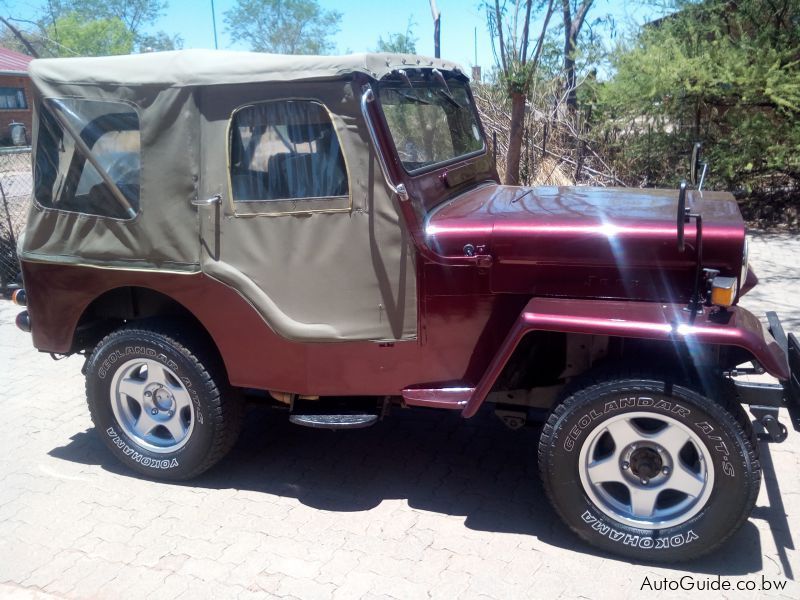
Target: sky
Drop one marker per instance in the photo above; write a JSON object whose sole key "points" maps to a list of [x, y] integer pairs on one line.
{"points": [[363, 21]]}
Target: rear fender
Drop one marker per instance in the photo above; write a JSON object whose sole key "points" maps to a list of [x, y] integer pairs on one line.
{"points": [[641, 320]]}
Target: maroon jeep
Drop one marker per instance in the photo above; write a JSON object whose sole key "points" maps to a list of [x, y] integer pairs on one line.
{"points": [[328, 234]]}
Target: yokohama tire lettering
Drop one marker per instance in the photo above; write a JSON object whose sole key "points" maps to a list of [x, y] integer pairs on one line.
{"points": [[145, 461], [638, 541]]}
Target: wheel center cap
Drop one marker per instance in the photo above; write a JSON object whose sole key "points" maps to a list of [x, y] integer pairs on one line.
{"points": [[163, 400], [646, 463]]}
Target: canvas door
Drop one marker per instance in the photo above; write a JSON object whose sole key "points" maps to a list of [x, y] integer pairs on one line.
{"points": [[303, 229]]}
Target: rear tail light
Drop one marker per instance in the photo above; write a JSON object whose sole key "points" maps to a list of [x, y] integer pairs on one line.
{"points": [[24, 321]]}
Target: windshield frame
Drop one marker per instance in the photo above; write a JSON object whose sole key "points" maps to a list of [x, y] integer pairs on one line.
{"points": [[424, 78]]}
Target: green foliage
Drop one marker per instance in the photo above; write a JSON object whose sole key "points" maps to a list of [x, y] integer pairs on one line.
{"points": [[721, 73], [283, 26], [99, 37], [134, 14], [95, 27], [399, 43]]}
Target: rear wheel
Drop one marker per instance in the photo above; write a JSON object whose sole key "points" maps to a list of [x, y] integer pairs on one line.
{"points": [[649, 469], [161, 404]]}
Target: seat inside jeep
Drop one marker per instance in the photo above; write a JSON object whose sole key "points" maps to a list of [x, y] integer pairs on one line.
{"points": [[309, 164]]}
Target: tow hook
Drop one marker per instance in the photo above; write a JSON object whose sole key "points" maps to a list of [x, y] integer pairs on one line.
{"points": [[767, 417], [764, 401]]}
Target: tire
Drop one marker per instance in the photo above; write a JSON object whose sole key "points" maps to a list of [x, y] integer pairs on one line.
{"points": [[161, 402], [616, 468]]}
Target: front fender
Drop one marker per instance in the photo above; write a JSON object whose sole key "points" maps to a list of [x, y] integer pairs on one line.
{"points": [[642, 320]]}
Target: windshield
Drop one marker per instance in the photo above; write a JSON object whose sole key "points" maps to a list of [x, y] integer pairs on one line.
{"points": [[430, 123]]}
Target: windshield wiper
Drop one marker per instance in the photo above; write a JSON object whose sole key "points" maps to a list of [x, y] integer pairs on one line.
{"points": [[415, 99], [449, 98], [445, 93]]}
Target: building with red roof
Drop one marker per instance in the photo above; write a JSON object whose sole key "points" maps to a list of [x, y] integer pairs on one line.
{"points": [[15, 93]]}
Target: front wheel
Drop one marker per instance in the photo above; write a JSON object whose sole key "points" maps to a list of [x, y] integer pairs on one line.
{"points": [[160, 403], [649, 469]]}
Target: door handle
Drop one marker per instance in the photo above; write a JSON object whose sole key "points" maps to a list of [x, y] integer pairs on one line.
{"points": [[215, 199]]}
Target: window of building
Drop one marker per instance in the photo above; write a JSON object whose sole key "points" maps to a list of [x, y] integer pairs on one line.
{"points": [[286, 150], [12, 98], [88, 158]]}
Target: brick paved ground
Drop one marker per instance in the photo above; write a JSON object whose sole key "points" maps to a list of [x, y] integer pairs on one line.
{"points": [[421, 505]]}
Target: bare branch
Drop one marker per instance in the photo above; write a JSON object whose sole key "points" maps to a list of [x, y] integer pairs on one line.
{"points": [[18, 34]]}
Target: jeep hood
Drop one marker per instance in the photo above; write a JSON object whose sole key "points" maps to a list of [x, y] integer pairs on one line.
{"points": [[589, 242]]}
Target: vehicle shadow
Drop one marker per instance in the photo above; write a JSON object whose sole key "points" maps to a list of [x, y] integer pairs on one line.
{"points": [[437, 461]]}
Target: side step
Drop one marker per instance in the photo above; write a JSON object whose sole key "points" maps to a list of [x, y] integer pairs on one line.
{"points": [[334, 421]]}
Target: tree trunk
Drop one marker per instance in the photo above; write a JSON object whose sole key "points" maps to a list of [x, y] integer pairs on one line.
{"points": [[515, 139], [569, 75], [573, 23]]}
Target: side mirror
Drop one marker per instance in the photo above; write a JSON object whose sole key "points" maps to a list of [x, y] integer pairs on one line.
{"points": [[681, 217], [694, 166]]}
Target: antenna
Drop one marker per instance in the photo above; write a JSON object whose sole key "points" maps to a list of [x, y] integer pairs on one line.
{"points": [[214, 23], [476, 47]]}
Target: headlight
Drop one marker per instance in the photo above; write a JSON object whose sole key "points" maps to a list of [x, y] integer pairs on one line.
{"points": [[723, 291], [745, 262]]}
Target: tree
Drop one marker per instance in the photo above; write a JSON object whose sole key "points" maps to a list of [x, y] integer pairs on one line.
{"points": [[159, 42], [517, 61], [283, 26], [726, 74], [399, 43], [96, 16], [574, 17], [75, 36], [12, 38], [134, 14]]}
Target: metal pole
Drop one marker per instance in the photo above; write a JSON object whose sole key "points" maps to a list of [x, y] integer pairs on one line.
{"points": [[214, 23], [437, 18]]}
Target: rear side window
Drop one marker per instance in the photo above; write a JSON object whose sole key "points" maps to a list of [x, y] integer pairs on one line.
{"points": [[285, 150], [88, 158]]}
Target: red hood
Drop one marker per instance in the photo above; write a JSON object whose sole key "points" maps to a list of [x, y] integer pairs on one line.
{"points": [[594, 242]]}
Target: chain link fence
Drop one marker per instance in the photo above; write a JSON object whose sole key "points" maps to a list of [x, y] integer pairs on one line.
{"points": [[16, 184]]}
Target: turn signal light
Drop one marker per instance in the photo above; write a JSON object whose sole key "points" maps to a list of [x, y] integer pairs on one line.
{"points": [[723, 291], [19, 297]]}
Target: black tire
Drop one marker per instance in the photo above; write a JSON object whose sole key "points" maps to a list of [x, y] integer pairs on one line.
{"points": [[216, 409], [577, 425]]}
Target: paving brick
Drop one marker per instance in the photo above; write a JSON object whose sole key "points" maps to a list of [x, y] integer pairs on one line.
{"points": [[423, 505]]}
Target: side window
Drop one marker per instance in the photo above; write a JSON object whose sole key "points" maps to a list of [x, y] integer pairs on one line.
{"points": [[12, 98], [88, 158], [285, 150]]}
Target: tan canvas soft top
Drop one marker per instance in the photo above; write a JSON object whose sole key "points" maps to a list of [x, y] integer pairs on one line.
{"points": [[289, 267], [184, 68]]}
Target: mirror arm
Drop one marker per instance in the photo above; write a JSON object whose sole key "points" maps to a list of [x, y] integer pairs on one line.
{"points": [[366, 98]]}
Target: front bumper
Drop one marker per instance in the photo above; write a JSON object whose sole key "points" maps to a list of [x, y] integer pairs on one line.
{"points": [[765, 399], [791, 386]]}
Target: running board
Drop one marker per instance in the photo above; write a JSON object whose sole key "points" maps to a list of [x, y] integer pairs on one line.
{"points": [[334, 421], [440, 397]]}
